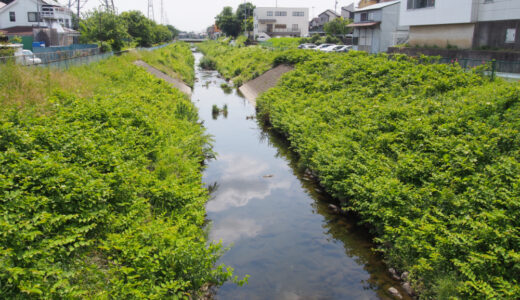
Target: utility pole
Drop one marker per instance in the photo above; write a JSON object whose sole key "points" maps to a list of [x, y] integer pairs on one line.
{"points": [[336, 6], [162, 13], [150, 10]]}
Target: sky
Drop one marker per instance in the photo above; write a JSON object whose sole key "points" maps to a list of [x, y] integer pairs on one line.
{"points": [[197, 15]]}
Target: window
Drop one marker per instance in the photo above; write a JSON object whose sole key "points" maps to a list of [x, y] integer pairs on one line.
{"points": [[415, 4], [294, 27], [67, 23], [298, 14], [280, 13], [510, 35], [280, 26], [12, 16], [32, 17], [269, 13], [364, 17]]}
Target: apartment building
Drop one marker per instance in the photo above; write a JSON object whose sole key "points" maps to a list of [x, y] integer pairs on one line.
{"points": [[281, 21], [463, 23]]}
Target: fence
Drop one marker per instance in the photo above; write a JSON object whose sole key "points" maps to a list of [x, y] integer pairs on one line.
{"points": [[66, 59]]}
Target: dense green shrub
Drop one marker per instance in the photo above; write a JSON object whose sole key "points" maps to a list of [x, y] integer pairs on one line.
{"points": [[101, 196], [240, 64], [428, 156]]}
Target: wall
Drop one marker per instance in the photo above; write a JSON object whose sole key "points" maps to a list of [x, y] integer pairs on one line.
{"points": [[497, 10], [444, 12], [493, 34], [289, 20], [389, 26], [460, 35], [507, 61], [373, 15], [20, 8]]}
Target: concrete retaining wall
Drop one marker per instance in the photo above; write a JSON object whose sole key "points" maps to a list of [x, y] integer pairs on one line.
{"points": [[254, 88]]}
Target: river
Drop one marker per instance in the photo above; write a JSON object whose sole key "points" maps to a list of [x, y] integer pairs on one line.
{"points": [[274, 218]]}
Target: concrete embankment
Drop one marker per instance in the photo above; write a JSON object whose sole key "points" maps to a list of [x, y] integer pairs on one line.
{"points": [[177, 83], [254, 88]]}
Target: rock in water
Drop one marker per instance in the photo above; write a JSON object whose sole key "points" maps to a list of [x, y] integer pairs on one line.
{"points": [[408, 288], [404, 276], [395, 292]]}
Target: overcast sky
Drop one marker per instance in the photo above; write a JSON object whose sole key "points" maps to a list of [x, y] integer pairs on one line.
{"points": [[197, 15]]}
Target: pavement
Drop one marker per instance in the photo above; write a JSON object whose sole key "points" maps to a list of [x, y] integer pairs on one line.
{"points": [[254, 88], [179, 84]]}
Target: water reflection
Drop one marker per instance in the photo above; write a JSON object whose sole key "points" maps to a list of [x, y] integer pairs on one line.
{"points": [[275, 217]]}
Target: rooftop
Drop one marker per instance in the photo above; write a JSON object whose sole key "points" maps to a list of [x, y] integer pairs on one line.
{"points": [[378, 5]]}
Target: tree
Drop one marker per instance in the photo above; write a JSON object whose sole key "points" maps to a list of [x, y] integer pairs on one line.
{"points": [[139, 27], [100, 26], [245, 16], [162, 34], [338, 26], [227, 22], [173, 30]]}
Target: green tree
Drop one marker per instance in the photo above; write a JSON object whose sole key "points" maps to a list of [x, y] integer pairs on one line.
{"points": [[338, 26], [104, 27], [227, 22], [162, 34], [245, 16], [139, 27]]}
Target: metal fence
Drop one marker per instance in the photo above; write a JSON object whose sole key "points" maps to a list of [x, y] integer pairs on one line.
{"points": [[66, 59]]}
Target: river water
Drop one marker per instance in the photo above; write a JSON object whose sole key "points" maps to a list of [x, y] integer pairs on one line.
{"points": [[273, 217]]}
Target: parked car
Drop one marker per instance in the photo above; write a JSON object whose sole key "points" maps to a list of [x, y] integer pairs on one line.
{"points": [[307, 46], [343, 48], [323, 46], [329, 48], [27, 57]]}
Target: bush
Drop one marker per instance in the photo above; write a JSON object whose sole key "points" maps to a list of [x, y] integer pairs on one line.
{"points": [[102, 195]]}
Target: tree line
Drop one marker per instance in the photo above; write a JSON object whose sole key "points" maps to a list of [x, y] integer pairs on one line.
{"points": [[131, 28]]}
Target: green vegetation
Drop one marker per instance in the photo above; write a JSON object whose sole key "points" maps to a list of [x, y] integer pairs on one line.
{"points": [[175, 60], [101, 193], [428, 155], [234, 23], [282, 43], [338, 26], [131, 28], [238, 64]]}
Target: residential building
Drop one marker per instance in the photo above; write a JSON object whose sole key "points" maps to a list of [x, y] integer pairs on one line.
{"points": [[37, 20], [281, 21], [463, 23], [326, 17], [365, 3], [347, 12], [376, 27]]}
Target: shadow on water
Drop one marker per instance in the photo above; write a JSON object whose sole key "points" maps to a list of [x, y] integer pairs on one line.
{"points": [[276, 218]]}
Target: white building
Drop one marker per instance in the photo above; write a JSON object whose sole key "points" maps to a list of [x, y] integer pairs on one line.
{"points": [[37, 20], [463, 23], [25, 13], [281, 21], [376, 27]]}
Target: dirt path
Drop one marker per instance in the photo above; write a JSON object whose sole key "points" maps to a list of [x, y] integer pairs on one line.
{"points": [[252, 89], [179, 84]]}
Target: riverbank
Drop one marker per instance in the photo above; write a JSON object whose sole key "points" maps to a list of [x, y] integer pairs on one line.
{"points": [[101, 182], [427, 155]]}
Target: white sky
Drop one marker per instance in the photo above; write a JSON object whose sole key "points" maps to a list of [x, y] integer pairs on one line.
{"points": [[197, 15]]}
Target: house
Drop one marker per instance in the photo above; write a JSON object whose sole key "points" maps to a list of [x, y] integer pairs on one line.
{"points": [[37, 20], [463, 23], [281, 21], [347, 12], [376, 27], [213, 32]]}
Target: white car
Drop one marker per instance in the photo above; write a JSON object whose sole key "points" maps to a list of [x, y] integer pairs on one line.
{"points": [[344, 48], [323, 46], [27, 57], [307, 46], [329, 48]]}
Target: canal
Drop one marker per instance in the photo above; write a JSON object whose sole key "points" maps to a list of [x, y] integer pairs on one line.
{"points": [[273, 217]]}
